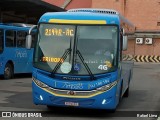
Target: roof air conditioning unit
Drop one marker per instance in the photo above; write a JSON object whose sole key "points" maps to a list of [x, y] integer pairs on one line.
{"points": [[139, 40], [148, 41]]}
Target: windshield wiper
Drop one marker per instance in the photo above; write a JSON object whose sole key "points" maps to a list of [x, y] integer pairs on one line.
{"points": [[85, 64], [64, 56]]}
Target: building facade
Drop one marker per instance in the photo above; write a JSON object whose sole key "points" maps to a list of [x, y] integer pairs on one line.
{"points": [[69, 4], [24, 11], [145, 15]]}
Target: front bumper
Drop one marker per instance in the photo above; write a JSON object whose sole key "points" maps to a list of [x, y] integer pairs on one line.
{"points": [[100, 100]]}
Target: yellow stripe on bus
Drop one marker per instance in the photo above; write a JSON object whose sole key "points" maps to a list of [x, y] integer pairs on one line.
{"points": [[69, 96], [77, 21]]}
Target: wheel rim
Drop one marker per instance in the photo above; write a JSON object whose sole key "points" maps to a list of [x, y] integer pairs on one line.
{"points": [[7, 72]]}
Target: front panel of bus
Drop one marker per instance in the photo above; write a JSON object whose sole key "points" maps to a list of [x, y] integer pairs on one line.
{"points": [[76, 65]]}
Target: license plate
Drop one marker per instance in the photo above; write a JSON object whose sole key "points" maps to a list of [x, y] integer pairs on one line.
{"points": [[72, 103]]}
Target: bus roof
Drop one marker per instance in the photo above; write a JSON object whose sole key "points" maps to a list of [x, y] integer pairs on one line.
{"points": [[104, 11], [15, 26], [109, 15], [111, 19]]}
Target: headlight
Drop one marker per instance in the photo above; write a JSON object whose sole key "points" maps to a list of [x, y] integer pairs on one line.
{"points": [[107, 87], [39, 83]]}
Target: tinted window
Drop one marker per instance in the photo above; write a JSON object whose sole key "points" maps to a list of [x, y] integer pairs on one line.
{"points": [[33, 39], [21, 38], [10, 38], [1, 40]]}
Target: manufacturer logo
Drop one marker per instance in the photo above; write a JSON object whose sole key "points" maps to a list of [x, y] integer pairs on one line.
{"points": [[71, 93], [70, 78]]}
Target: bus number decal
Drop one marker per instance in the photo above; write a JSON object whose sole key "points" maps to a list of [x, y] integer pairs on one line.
{"points": [[98, 84]]}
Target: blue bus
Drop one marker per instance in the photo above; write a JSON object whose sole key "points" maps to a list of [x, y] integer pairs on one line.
{"points": [[78, 59], [14, 57]]}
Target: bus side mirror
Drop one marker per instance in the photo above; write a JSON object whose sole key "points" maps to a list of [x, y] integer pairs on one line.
{"points": [[125, 42], [28, 41]]}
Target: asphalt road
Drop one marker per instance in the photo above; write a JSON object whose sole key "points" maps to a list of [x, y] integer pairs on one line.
{"points": [[15, 95]]}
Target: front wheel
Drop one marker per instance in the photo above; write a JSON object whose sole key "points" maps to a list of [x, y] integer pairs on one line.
{"points": [[126, 94], [50, 107], [8, 71]]}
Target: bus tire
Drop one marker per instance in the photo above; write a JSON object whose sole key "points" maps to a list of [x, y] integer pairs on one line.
{"points": [[120, 94], [126, 94], [112, 110], [50, 107], [8, 71]]}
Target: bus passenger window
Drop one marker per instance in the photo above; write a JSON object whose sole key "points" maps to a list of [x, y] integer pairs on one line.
{"points": [[121, 45], [21, 38], [1, 40], [10, 38]]}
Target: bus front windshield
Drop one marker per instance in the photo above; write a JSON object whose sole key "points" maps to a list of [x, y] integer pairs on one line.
{"points": [[76, 48]]}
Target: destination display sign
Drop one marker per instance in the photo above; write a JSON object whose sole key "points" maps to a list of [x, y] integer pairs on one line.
{"points": [[59, 32]]}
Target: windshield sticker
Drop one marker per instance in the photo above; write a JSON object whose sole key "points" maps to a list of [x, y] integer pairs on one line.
{"points": [[52, 59], [91, 61], [77, 67], [66, 67], [103, 67]]}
